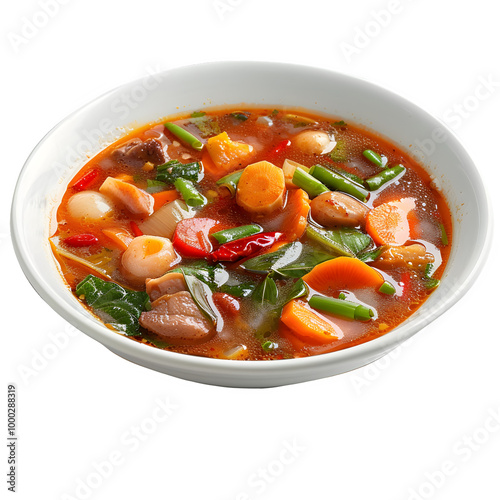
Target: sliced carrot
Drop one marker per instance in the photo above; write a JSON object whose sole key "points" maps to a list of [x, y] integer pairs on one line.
{"points": [[341, 273], [164, 197], [261, 188], [309, 325], [296, 210], [120, 236], [226, 154], [388, 223]]}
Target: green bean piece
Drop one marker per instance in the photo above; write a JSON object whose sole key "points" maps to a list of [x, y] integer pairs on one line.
{"points": [[379, 160], [183, 135], [189, 193], [378, 180], [340, 307], [236, 233], [387, 288], [230, 181], [312, 186], [337, 182]]}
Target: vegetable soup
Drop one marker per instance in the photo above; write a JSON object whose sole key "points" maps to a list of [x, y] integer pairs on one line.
{"points": [[251, 234]]}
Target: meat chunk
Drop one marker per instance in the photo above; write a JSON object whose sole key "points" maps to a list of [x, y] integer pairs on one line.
{"points": [[410, 256], [134, 199], [338, 209], [167, 284], [135, 153], [177, 319]]}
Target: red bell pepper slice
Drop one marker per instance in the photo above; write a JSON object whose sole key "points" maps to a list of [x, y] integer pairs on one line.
{"points": [[281, 146], [81, 240], [191, 237], [245, 247]]}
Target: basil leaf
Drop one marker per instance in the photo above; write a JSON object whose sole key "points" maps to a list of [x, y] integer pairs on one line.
{"points": [[372, 255], [199, 291], [270, 261], [343, 241], [123, 305], [340, 152], [240, 116], [299, 290], [213, 276], [242, 290], [266, 291], [309, 258], [171, 171]]}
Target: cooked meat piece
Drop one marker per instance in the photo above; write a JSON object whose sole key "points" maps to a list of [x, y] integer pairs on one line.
{"points": [[177, 319], [134, 199], [165, 285], [410, 256], [135, 153], [338, 209]]}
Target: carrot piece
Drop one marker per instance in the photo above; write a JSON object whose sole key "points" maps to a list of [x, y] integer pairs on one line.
{"points": [[309, 325], [226, 154], [261, 188], [120, 236], [297, 210], [209, 167], [388, 223], [164, 197], [341, 273]]}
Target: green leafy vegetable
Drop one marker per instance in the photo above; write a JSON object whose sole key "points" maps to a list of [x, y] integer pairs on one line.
{"points": [[197, 114], [444, 236], [266, 291], [240, 116], [269, 346], [172, 170], [342, 241], [206, 125], [309, 258], [429, 281], [241, 290], [199, 292], [213, 276], [122, 305], [340, 123], [371, 255], [268, 262], [298, 290], [340, 152], [274, 112], [155, 186]]}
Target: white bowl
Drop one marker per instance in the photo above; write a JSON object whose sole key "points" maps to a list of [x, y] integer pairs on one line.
{"points": [[63, 151]]}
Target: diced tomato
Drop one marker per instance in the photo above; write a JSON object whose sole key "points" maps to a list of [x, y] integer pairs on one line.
{"points": [[191, 237]]}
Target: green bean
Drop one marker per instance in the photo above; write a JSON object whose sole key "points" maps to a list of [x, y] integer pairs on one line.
{"points": [[189, 193], [184, 136], [340, 307], [338, 182], [230, 181], [236, 233], [378, 180], [312, 186], [387, 288], [379, 160]]}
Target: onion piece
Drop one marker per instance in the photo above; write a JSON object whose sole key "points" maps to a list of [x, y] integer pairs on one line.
{"points": [[289, 167], [264, 121], [70, 256], [164, 221]]}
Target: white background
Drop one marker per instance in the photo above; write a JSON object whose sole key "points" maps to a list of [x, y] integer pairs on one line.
{"points": [[416, 424]]}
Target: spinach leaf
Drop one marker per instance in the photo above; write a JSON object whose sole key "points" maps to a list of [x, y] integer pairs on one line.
{"points": [[199, 292], [309, 258], [171, 171], [342, 241], [124, 306], [266, 291], [268, 262], [299, 290]]}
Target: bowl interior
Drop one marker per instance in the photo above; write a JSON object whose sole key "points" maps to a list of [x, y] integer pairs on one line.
{"points": [[84, 133]]}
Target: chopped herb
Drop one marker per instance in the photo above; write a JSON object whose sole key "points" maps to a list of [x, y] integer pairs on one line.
{"points": [[274, 112], [429, 281], [266, 291], [207, 126], [198, 114], [172, 170], [444, 236], [300, 124], [342, 296], [240, 116], [340, 152], [340, 123], [269, 346]]}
